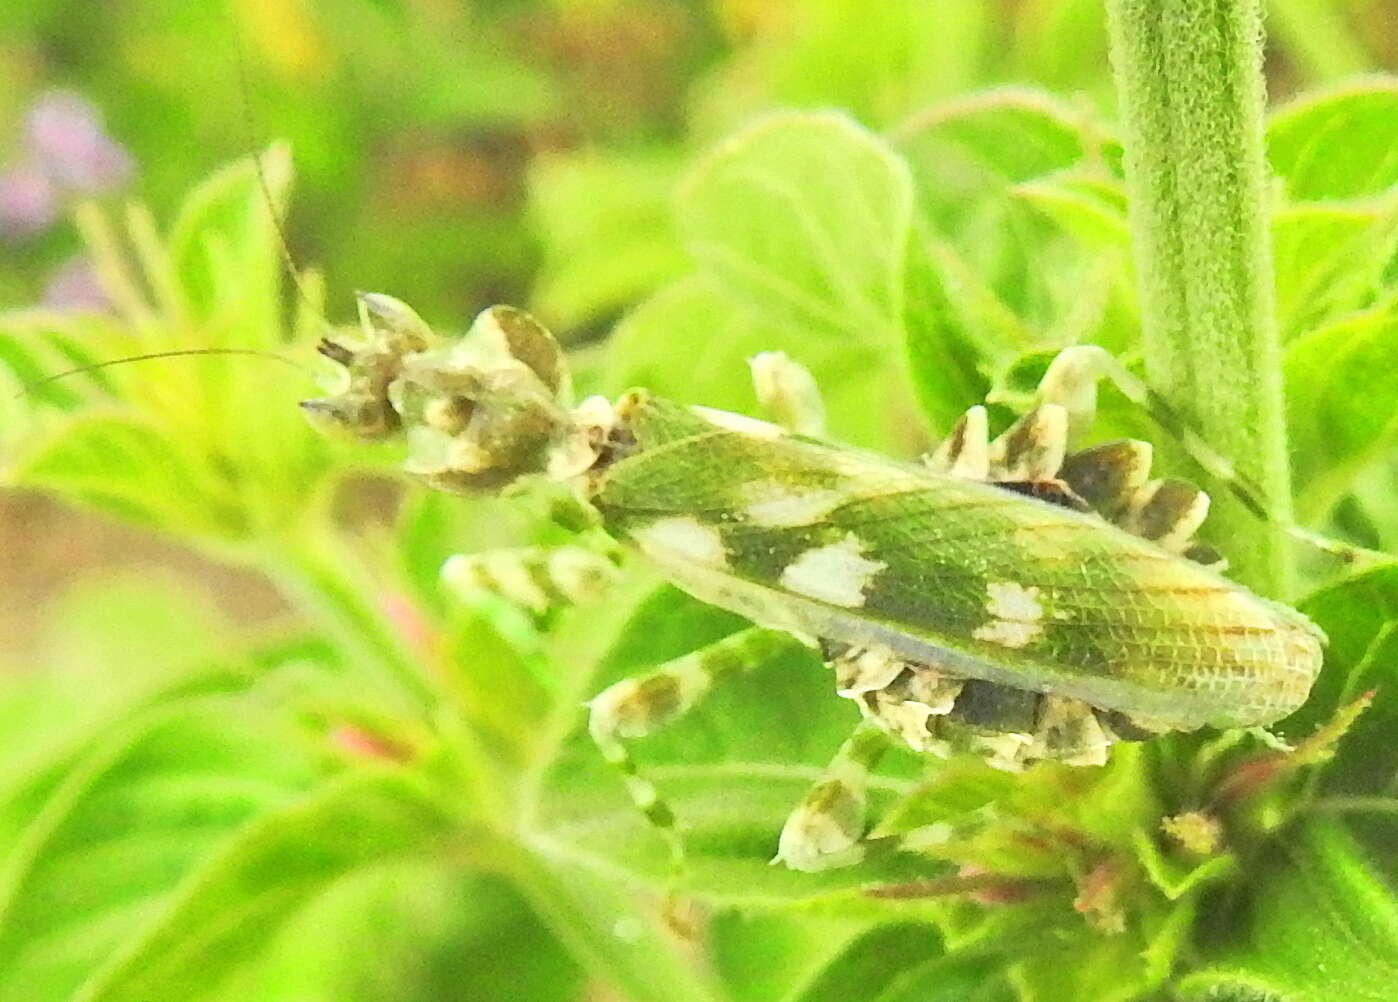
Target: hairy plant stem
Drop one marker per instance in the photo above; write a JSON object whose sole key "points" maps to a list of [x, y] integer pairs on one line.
{"points": [[1189, 82]]}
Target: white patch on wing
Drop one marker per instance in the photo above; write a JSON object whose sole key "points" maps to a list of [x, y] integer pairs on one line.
{"points": [[682, 538], [1013, 601], [740, 423], [837, 573], [775, 506], [1016, 615]]}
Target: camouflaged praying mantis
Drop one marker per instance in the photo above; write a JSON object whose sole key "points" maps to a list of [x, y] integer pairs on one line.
{"points": [[1007, 598]]}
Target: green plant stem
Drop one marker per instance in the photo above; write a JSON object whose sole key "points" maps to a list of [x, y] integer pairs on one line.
{"points": [[1189, 83], [611, 931], [316, 579]]}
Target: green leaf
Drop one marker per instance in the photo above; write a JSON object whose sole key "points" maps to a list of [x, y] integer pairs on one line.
{"points": [[223, 246], [1369, 515], [1342, 403], [1095, 968], [102, 858], [967, 157], [1360, 616], [778, 957], [799, 226], [1061, 958], [206, 444], [1088, 207], [1068, 228], [129, 466], [764, 956], [1323, 39], [608, 239], [1323, 927], [907, 53], [28, 360], [1329, 259], [410, 931], [226, 914], [112, 647], [854, 378], [983, 319], [892, 962], [972, 146], [693, 311], [501, 686], [950, 979], [1093, 289], [37, 344], [611, 933], [950, 319], [733, 768], [1341, 143], [804, 218], [966, 798], [1062, 43], [126, 629]]}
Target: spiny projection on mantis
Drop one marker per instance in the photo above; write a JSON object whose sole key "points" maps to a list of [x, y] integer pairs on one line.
{"points": [[1006, 598]]}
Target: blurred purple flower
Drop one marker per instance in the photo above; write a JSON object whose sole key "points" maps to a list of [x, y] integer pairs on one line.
{"points": [[28, 200], [74, 285], [64, 131]]}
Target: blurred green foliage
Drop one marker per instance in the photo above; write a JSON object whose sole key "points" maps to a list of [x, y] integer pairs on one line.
{"points": [[386, 793], [463, 153]]}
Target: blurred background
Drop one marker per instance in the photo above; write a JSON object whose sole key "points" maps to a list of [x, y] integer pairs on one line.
{"points": [[465, 153], [452, 154]]}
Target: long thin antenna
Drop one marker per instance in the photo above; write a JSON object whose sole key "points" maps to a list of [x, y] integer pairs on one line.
{"points": [[283, 247], [250, 136], [173, 353]]}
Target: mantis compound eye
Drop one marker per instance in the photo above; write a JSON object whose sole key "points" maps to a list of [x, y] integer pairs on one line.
{"points": [[391, 332]]}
